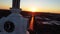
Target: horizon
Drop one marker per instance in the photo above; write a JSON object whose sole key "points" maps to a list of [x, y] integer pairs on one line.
{"points": [[52, 6]]}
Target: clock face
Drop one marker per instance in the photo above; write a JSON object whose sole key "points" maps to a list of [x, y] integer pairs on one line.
{"points": [[9, 26]]}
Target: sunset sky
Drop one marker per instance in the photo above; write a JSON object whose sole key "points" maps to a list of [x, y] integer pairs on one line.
{"points": [[39, 5]]}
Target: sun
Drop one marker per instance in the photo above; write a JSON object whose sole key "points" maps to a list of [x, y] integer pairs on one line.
{"points": [[33, 9]]}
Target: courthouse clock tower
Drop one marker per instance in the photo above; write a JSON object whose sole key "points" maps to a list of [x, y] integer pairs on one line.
{"points": [[14, 23]]}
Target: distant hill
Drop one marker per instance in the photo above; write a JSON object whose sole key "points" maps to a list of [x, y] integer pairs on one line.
{"points": [[4, 13], [53, 16]]}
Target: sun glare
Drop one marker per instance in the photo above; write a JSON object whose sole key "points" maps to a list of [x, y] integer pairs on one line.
{"points": [[33, 9]]}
